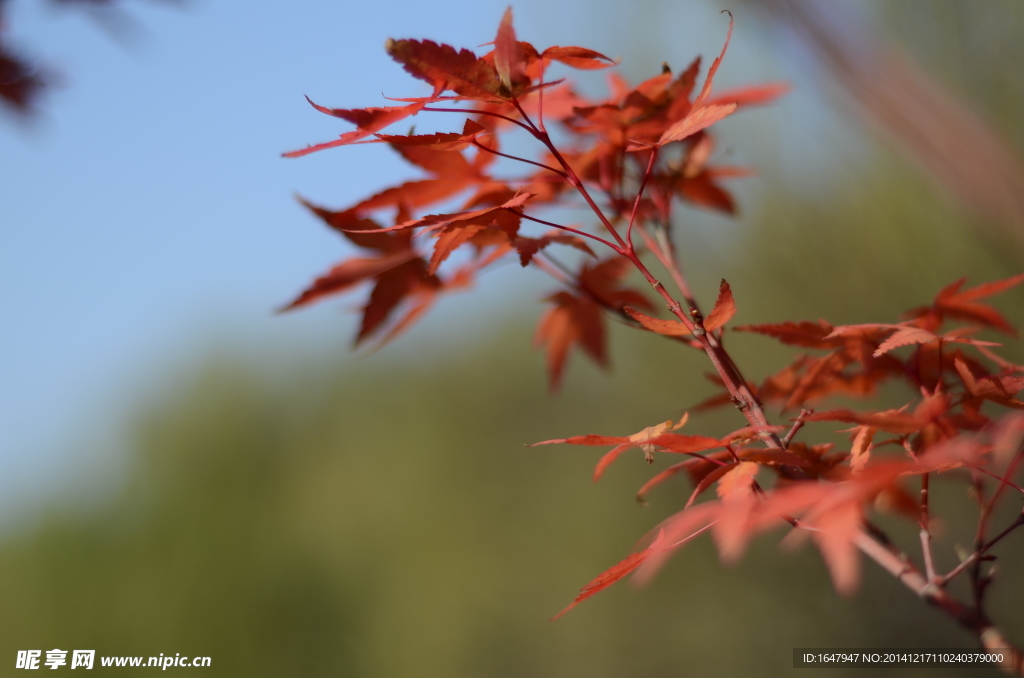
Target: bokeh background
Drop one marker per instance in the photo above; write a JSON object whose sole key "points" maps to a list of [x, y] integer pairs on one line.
{"points": [[183, 471]]}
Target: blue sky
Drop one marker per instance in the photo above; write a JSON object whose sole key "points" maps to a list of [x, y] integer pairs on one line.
{"points": [[147, 213]]}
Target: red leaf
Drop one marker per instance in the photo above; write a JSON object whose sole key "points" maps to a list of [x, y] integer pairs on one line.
{"points": [[348, 274], [589, 439], [705, 91], [609, 457], [725, 308], [573, 320], [529, 247], [602, 281], [461, 72], [904, 336], [391, 289], [643, 439], [578, 57], [609, 577], [807, 334], [438, 221], [951, 301], [894, 421], [861, 451], [670, 328], [834, 535], [351, 225], [701, 190], [702, 114], [696, 120], [368, 121], [509, 60], [662, 477], [738, 481], [450, 239], [751, 96], [442, 141], [682, 444]]}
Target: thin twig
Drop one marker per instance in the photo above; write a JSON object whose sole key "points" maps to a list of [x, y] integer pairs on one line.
{"points": [[477, 111], [976, 555], [515, 157], [797, 425], [570, 229], [639, 196], [926, 535]]}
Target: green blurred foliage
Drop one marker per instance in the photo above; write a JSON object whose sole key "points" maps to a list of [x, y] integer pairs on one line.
{"points": [[388, 521]]}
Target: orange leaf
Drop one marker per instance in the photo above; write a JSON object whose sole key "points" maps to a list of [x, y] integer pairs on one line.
{"points": [[894, 421], [662, 477], [737, 483], [861, 448], [671, 328], [609, 577], [725, 308], [751, 96], [835, 534], [696, 120], [684, 444]]}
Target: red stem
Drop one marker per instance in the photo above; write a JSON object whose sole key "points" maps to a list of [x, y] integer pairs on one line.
{"points": [[570, 229], [639, 195], [515, 157], [477, 111]]}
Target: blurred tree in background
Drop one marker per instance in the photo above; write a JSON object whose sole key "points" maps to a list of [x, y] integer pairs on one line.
{"points": [[385, 520], [389, 522]]}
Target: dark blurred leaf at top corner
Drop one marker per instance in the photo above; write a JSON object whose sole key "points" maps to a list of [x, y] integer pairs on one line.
{"points": [[23, 83], [20, 83]]}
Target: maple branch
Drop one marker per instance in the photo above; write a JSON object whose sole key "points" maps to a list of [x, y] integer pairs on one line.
{"points": [[570, 229], [659, 250], [926, 536], [571, 177], [515, 157], [665, 254], [797, 425], [1004, 481], [990, 637], [698, 455], [741, 395], [562, 274], [639, 195], [976, 555], [731, 377], [999, 478]]}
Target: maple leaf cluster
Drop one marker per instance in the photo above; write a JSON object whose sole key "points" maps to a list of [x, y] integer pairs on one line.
{"points": [[631, 160], [408, 261], [828, 492]]}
